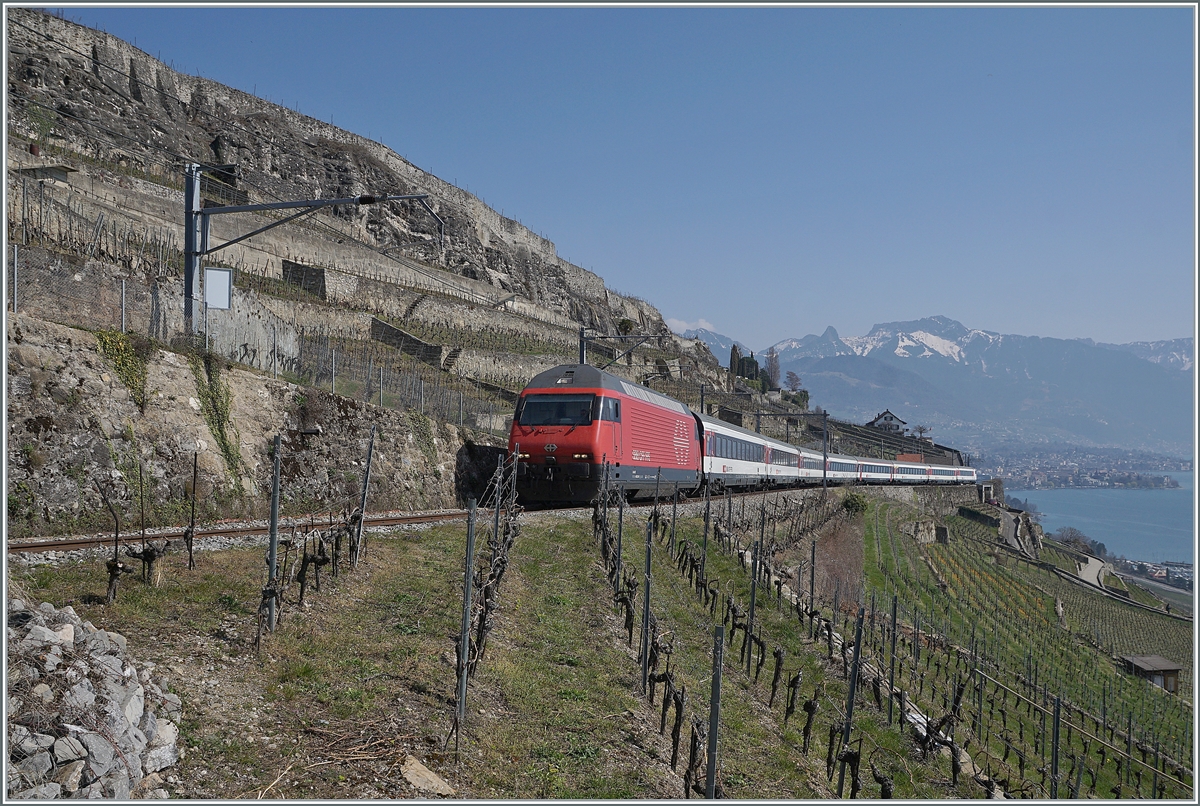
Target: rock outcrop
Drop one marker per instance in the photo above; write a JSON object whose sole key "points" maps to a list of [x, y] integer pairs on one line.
{"points": [[72, 424], [84, 721], [93, 94]]}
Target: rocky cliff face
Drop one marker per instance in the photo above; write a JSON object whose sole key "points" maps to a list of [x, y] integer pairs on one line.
{"points": [[103, 98], [74, 423], [125, 124]]}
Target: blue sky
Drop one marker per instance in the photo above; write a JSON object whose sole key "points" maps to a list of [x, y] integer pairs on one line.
{"points": [[769, 172]]}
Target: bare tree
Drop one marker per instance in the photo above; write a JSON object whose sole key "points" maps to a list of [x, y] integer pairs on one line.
{"points": [[1074, 538], [921, 431], [793, 381]]}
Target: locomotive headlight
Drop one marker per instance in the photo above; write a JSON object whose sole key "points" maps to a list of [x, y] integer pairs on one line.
{"points": [[583, 456], [522, 456]]}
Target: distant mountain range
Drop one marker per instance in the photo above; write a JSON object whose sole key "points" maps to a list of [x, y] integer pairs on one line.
{"points": [[976, 388], [717, 344], [1173, 354]]}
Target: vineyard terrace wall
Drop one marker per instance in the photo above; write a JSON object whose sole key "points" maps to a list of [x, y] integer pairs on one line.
{"points": [[89, 77], [74, 422]]}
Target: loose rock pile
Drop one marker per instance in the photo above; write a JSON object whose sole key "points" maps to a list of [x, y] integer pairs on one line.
{"points": [[83, 721]]}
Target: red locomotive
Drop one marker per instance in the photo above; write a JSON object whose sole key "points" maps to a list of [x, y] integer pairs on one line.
{"points": [[572, 419]]}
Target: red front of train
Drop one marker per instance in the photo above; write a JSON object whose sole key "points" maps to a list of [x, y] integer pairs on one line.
{"points": [[572, 419]]}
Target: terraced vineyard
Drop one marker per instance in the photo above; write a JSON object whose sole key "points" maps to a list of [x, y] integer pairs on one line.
{"points": [[1023, 637]]}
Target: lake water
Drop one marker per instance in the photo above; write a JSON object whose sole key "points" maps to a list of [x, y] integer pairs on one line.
{"points": [[1150, 525]]}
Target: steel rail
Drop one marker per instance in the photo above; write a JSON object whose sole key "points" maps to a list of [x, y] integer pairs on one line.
{"points": [[233, 530]]}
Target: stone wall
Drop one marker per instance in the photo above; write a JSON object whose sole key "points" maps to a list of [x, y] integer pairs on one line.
{"points": [[941, 502], [72, 422], [90, 77]]}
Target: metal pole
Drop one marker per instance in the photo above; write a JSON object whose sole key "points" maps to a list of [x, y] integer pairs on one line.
{"points": [[1054, 750], [274, 351], [333, 373], [754, 585], [192, 246], [620, 528], [812, 586], [362, 503], [14, 273], [1129, 749], [758, 422], [892, 671], [714, 710], [464, 637], [674, 517], [460, 409], [825, 453], [1157, 761], [702, 411], [381, 387], [496, 508], [274, 548], [582, 346], [123, 309], [850, 696], [646, 612], [205, 322]]}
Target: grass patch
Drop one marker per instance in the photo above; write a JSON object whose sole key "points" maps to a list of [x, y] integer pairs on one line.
{"points": [[555, 709]]}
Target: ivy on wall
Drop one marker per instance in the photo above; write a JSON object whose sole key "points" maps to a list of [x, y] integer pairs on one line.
{"points": [[129, 355], [216, 402]]}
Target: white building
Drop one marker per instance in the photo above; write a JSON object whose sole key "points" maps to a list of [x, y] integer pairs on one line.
{"points": [[888, 422]]}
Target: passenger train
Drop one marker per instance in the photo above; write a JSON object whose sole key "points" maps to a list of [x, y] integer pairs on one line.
{"points": [[569, 421]]}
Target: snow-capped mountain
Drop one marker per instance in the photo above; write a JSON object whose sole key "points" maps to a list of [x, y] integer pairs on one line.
{"points": [[1173, 354], [974, 386], [718, 344], [826, 345], [922, 339]]}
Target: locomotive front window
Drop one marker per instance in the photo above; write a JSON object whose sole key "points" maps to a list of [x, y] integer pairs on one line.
{"points": [[557, 410]]}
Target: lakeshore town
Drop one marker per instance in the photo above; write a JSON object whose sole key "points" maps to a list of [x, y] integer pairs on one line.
{"points": [[1177, 575]]}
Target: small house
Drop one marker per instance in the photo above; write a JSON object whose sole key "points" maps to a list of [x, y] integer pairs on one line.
{"points": [[1155, 668], [888, 422]]}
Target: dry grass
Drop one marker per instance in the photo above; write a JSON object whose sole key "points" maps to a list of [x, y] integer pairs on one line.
{"points": [[362, 678]]}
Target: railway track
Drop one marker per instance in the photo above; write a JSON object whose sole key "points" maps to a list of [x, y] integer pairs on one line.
{"points": [[232, 530], [236, 530]]}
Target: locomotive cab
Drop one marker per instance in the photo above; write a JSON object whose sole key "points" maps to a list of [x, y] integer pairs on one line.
{"points": [[557, 432], [571, 420]]}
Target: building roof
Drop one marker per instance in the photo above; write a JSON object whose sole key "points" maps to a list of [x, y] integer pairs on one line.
{"points": [[887, 411], [59, 173], [583, 376], [1152, 663]]}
